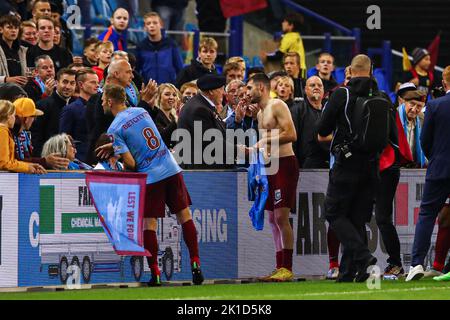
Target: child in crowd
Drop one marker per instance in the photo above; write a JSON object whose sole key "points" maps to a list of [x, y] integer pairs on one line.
{"points": [[104, 51]]}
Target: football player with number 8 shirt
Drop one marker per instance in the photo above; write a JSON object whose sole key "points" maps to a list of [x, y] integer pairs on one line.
{"points": [[138, 142]]}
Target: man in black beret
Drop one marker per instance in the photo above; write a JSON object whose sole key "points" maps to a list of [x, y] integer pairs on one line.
{"points": [[200, 112]]}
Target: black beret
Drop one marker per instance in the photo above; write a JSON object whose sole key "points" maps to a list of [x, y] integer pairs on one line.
{"points": [[211, 82]]}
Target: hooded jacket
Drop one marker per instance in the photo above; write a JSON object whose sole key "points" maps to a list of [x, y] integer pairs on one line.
{"points": [[336, 117], [192, 72], [160, 61]]}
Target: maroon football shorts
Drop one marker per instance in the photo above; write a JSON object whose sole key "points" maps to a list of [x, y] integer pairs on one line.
{"points": [[283, 185], [171, 191]]}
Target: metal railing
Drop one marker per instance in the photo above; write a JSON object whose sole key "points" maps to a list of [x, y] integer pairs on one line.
{"points": [[353, 34], [400, 54], [196, 35]]}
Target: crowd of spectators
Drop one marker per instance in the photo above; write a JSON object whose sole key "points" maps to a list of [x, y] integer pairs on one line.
{"points": [[65, 92]]}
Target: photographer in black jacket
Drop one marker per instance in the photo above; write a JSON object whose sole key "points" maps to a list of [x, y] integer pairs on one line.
{"points": [[353, 176]]}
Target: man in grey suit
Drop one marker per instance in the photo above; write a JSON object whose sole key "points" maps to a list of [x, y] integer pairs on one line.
{"points": [[435, 143]]}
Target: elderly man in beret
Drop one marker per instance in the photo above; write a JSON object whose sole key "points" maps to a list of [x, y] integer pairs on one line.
{"points": [[409, 124], [201, 113]]}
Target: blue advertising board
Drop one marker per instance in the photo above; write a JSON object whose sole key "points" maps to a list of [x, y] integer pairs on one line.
{"points": [[58, 227]]}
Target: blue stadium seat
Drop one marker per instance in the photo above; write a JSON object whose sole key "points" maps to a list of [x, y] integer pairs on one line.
{"points": [[393, 96], [257, 62], [311, 72], [339, 74], [248, 63], [380, 76]]}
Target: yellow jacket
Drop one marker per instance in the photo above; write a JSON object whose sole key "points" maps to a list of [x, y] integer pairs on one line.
{"points": [[7, 158], [292, 42]]}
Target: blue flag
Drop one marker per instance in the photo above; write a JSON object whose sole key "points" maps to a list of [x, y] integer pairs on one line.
{"points": [[258, 190], [119, 200]]}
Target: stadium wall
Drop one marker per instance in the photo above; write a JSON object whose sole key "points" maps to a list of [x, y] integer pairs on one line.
{"points": [[48, 222]]}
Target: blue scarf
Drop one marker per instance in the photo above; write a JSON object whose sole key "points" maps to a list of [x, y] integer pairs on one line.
{"points": [[133, 94], [78, 165], [108, 167], [23, 145], [40, 83], [417, 130]]}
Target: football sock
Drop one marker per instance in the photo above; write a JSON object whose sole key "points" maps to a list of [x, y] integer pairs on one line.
{"points": [[190, 238], [151, 244], [287, 258], [442, 246], [279, 257], [333, 248]]}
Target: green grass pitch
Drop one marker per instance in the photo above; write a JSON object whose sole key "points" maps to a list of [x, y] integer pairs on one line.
{"points": [[307, 290]]}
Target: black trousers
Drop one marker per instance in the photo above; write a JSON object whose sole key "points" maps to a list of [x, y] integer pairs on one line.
{"points": [[384, 211], [349, 205]]}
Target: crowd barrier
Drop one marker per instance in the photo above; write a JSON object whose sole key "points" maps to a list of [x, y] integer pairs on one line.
{"points": [[48, 223]]}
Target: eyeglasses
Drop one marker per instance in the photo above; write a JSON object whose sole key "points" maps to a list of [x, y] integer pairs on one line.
{"points": [[417, 106]]}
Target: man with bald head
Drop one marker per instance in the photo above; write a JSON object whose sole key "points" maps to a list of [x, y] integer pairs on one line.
{"points": [[117, 32], [353, 175], [310, 153], [121, 74], [120, 70]]}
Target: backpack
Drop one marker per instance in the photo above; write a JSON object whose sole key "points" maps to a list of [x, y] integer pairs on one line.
{"points": [[370, 124]]}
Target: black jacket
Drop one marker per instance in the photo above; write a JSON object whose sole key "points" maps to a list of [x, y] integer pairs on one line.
{"points": [[97, 122], [192, 72], [329, 86], [47, 125], [165, 126], [299, 87], [34, 91], [198, 109], [336, 118], [310, 154], [61, 57], [294, 108]]}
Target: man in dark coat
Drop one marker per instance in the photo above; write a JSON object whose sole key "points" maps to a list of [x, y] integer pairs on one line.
{"points": [[436, 147], [48, 125], [197, 116]]}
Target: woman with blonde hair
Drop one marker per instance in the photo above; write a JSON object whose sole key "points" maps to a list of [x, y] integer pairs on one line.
{"points": [[284, 89], [7, 145], [168, 100]]}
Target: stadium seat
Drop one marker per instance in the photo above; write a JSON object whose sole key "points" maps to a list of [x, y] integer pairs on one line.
{"points": [[380, 76], [393, 96], [311, 72], [257, 62], [248, 63], [339, 74]]}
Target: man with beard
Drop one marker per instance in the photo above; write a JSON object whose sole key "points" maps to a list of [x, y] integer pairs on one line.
{"points": [[48, 125], [117, 32], [137, 141], [312, 154], [276, 139]]}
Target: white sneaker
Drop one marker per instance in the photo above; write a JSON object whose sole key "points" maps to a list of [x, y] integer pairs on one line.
{"points": [[432, 273], [415, 273]]}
